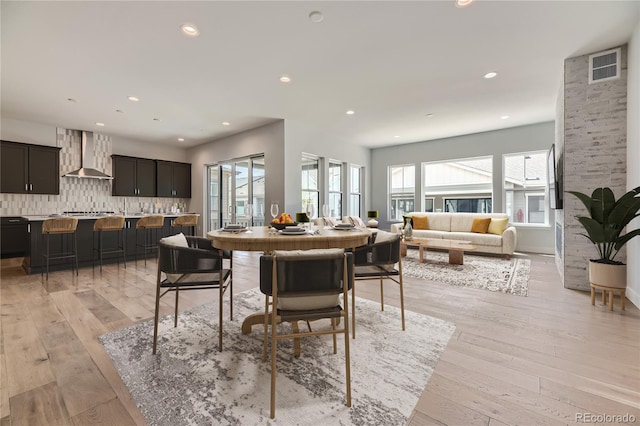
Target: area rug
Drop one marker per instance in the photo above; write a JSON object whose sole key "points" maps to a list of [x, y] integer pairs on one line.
{"points": [[486, 272], [189, 382]]}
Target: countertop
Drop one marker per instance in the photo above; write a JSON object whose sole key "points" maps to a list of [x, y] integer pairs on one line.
{"points": [[39, 218]]}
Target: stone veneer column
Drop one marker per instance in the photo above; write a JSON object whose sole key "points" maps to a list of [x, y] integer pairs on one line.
{"points": [[595, 147]]}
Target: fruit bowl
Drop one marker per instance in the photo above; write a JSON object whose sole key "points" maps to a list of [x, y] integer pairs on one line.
{"points": [[281, 226]]}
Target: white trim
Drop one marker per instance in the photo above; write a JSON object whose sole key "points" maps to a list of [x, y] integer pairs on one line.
{"points": [[633, 296]]}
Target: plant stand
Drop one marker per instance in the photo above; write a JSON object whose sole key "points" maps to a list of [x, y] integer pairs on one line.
{"points": [[606, 290]]}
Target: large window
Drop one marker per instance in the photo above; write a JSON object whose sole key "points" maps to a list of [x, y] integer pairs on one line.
{"points": [[459, 185], [335, 189], [525, 182], [355, 191], [310, 182], [402, 183]]}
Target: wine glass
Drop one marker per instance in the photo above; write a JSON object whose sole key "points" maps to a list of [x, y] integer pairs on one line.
{"points": [[310, 213], [275, 209], [325, 210], [248, 212]]}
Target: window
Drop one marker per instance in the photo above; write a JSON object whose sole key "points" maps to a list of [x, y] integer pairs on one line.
{"points": [[525, 182], [335, 189], [402, 183], [464, 185], [355, 192], [310, 186]]}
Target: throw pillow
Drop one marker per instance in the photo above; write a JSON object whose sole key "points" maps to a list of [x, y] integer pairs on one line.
{"points": [[178, 240], [420, 222], [357, 222], [480, 226], [497, 226]]}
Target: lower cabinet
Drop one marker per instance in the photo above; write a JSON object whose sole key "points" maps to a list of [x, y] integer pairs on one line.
{"points": [[34, 263]]}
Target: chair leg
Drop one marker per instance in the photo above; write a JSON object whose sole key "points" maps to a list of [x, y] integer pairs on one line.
{"points": [[402, 301], [273, 361], [296, 340], [230, 286], [100, 249], [220, 305], [335, 337], [175, 316], [347, 360], [381, 295], [266, 328], [48, 255], [155, 318], [353, 308], [75, 250]]}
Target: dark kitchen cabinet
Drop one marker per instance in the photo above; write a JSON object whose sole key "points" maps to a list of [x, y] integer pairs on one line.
{"points": [[133, 176], [29, 169], [173, 179]]}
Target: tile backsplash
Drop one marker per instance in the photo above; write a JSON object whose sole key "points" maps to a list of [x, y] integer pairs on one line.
{"points": [[82, 194]]}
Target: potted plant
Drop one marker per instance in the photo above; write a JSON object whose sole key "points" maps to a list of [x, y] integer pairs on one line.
{"points": [[607, 218]]}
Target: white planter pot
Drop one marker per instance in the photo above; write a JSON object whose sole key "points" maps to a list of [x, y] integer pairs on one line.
{"points": [[608, 275]]}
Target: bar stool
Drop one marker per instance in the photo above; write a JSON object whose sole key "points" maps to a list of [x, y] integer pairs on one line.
{"points": [[65, 227], [186, 221], [149, 226], [109, 224]]}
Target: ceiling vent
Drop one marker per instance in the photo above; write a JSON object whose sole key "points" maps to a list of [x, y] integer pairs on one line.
{"points": [[604, 66]]}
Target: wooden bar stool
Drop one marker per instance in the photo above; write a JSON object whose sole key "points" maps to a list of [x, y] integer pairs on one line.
{"points": [[149, 226], [65, 227], [609, 291], [186, 221], [109, 224]]}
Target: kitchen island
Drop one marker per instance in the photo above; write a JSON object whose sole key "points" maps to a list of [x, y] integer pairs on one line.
{"points": [[33, 262]]}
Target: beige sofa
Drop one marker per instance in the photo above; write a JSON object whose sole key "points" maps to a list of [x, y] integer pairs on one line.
{"points": [[457, 226]]}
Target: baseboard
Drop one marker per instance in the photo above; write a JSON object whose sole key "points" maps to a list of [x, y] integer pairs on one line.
{"points": [[633, 296], [535, 249]]}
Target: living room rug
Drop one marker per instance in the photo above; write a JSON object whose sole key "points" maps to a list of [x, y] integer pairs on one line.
{"points": [[189, 382], [486, 272]]}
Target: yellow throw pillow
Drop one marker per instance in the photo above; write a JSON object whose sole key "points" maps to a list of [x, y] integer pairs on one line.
{"points": [[420, 222], [480, 226], [497, 226]]}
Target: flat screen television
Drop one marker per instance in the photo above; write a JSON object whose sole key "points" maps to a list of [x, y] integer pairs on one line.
{"points": [[555, 190]]}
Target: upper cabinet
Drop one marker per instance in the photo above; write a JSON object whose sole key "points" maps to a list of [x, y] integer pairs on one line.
{"points": [[173, 179], [29, 169], [133, 176]]}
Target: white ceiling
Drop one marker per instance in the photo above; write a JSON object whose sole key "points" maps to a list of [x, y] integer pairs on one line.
{"points": [[391, 62]]}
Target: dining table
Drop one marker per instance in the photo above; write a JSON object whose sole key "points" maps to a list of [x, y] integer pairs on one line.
{"points": [[266, 239]]}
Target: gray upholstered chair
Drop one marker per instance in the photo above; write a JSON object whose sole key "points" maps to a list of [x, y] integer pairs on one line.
{"points": [[306, 286], [191, 263], [377, 261]]}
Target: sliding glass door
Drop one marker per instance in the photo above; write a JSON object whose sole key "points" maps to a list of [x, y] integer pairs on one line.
{"points": [[232, 186]]}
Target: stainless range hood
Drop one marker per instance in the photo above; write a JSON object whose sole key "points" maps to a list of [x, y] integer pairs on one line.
{"points": [[87, 168]]}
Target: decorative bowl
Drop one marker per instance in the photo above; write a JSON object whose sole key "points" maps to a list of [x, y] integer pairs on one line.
{"points": [[281, 226]]}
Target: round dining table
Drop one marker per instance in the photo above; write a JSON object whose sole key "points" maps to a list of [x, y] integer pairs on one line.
{"points": [[264, 239]]}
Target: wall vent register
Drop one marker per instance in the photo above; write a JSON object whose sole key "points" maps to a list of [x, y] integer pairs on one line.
{"points": [[604, 66]]}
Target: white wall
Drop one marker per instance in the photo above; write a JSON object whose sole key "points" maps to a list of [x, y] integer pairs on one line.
{"points": [[15, 130], [134, 148], [496, 143], [267, 140], [302, 138], [633, 159]]}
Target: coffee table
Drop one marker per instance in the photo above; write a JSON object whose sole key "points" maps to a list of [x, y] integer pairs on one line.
{"points": [[456, 248]]}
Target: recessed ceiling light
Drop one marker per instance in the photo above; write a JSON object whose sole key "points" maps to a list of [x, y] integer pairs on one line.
{"points": [[226, 123], [316, 16], [190, 30], [285, 79], [396, 136], [100, 124], [490, 74], [350, 112], [180, 139], [463, 3], [72, 100], [504, 117], [429, 115], [133, 99]]}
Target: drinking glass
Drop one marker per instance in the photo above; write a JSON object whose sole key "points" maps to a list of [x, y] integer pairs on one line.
{"points": [[275, 209], [325, 210]]}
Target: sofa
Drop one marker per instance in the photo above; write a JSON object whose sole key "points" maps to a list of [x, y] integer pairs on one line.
{"points": [[493, 236]]}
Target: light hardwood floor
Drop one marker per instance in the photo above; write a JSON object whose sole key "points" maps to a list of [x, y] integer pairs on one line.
{"points": [[536, 360]]}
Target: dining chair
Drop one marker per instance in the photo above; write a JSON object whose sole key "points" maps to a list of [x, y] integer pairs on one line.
{"points": [[377, 261], [306, 286], [109, 224], [191, 263], [64, 226]]}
